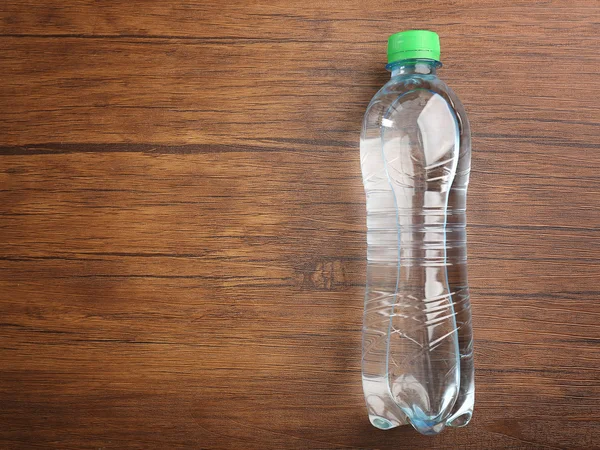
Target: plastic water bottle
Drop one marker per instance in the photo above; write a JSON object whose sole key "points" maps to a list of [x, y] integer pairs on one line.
{"points": [[415, 153]]}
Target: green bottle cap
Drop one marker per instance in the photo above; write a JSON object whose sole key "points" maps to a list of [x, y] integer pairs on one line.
{"points": [[413, 44]]}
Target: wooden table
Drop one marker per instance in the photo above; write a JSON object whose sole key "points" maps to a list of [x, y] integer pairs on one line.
{"points": [[182, 230]]}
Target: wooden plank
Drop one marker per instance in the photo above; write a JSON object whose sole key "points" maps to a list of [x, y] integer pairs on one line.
{"points": [[182, 226]]}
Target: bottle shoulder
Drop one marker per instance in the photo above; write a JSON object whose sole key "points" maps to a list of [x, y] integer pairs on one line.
{"points": [[400, 85], [407, 88]]}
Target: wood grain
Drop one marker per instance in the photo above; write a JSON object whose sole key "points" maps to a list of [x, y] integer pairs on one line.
{"points": [[182, 228]]}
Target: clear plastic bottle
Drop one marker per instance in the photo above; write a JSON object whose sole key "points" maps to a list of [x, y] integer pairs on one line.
{"points": [[415, 153]]}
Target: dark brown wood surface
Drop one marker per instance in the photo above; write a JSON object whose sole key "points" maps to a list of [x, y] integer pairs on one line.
{"points": [[182, 226]]}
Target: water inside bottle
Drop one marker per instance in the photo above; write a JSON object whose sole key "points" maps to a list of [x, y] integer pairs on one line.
{"points": [[417, 339]]}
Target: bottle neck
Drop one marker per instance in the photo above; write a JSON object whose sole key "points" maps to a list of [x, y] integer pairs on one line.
{"points": [[414, 66]]}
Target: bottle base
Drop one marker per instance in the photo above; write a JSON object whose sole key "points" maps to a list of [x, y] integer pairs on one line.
{"points": [[425, 427]]}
